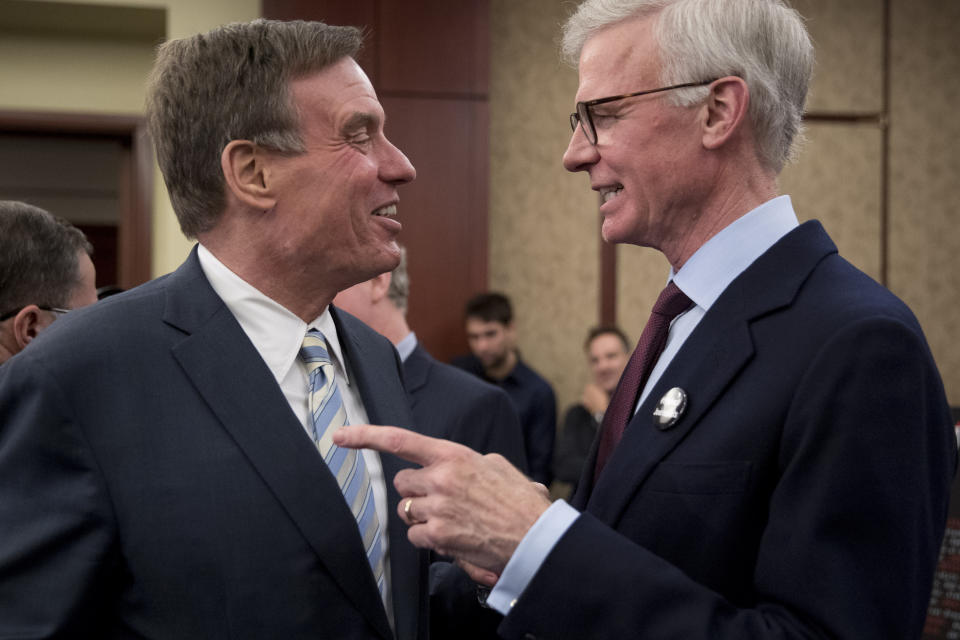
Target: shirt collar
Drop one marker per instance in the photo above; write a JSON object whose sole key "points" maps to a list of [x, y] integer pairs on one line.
{"points": [[328, 327], [709, 271], [276, 332], [406, 346]]}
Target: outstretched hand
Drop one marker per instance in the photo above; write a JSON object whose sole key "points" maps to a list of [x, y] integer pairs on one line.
{"points": [[475, 508]]}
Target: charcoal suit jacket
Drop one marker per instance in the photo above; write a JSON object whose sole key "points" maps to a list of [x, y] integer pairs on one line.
{"points": [[450, 403], [154, 483]]}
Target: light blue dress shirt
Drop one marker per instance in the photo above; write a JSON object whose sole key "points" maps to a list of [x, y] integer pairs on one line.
{"points": [[703, 278], [406, 346]]}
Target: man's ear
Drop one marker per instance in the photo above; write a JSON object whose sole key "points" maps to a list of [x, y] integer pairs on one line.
{"points": [[725, 111], [379, 285], [245, 171], [28, 324]]}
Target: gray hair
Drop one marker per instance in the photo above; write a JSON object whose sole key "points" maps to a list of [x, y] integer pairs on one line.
{"points": [[762, 41], [231, 83], [38, 257], [399, 290]]}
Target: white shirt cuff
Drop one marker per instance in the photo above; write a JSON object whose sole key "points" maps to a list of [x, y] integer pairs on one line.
{"points": [[530, 554]]}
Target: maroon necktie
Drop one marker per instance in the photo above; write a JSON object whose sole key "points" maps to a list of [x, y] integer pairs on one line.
{"points": [[671, 303]]}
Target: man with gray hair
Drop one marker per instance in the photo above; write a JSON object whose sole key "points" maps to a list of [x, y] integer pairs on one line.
{"points": [[446, 401], [776, 459], [45, 271], [166, 469]]}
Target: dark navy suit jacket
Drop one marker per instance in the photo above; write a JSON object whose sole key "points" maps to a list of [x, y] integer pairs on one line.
{"points": [[802, 494], [155, 484], [450, 403], [536, 405], [455, 405]]}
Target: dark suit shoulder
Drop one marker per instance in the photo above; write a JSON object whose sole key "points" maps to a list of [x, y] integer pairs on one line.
{"points": [[468, 363], [453, 404], [448, 379], [532, 380], [362, 332], [90, 336]]}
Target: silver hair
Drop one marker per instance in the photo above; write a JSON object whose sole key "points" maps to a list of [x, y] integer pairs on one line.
{"points": [[399, 289], [764, 42]]}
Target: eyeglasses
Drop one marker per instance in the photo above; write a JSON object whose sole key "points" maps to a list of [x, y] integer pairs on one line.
{"points": [[582, 115], [56, 310]]}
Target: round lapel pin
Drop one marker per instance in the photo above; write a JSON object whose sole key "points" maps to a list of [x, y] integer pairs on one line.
{"points": [[670, 408]]}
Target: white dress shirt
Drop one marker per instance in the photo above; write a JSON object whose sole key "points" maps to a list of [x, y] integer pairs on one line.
{"points": [[277, 334], [703, 278]]}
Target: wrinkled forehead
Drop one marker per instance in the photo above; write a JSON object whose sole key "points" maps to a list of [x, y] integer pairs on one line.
{"points": [[341, 91], [619, 58]]}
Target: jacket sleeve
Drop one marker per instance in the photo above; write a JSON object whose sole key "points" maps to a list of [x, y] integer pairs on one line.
{"points": [[56, 521]]}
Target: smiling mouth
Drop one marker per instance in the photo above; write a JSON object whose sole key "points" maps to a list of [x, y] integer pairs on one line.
{"points": [[609, 193], [389, 211]]}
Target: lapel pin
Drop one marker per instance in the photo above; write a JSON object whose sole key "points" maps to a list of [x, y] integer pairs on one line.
{"points": [[670, 408]]}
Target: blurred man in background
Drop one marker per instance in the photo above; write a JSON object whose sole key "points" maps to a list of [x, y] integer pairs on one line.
{"points": [[446, 402], [45, 271], [494, 357], [607, 350]]}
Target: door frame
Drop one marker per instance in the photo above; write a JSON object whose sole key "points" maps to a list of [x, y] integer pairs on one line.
{"points": [[135, 179]]}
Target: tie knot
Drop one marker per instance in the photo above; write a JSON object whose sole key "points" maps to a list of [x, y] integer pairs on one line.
{"points": [[314, 350], [672, 302]]}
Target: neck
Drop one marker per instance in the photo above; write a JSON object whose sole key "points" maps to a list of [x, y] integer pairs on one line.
{"points": [[503, 369], [737, 192], [395, 327], [284, 281]]}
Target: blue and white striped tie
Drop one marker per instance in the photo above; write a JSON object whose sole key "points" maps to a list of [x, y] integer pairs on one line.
{"points": [[327, 415]]}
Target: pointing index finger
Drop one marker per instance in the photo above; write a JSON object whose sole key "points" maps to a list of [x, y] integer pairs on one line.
{"points": [[406, 444]]}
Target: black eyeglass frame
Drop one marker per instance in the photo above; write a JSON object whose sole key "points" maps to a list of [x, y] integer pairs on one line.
{"points": [[583, 108], [57, 310]]}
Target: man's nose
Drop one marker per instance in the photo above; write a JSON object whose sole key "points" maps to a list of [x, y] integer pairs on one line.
{"points": [[580, 154], [396, 167]]}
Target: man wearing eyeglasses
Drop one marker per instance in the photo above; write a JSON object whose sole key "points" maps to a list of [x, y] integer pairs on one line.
{"points": [[782, 460], [45, 271]]}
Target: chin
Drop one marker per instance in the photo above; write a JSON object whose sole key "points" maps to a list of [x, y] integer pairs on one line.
{"points": [[385, 259], [390, 256], [610, 233]]}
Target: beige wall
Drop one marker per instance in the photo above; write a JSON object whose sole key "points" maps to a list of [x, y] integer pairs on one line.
{"points": [[106, 75], [544, 250], [925, 173], [544, 223]]}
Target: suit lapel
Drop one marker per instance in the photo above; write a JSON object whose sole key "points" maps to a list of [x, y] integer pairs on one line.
{"points": [[713, 355], [702, 370], [228, 372], [387, 403], [416, 370]]}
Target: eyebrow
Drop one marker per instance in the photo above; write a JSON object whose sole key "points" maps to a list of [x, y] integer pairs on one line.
{"points": [[359, 120]]}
